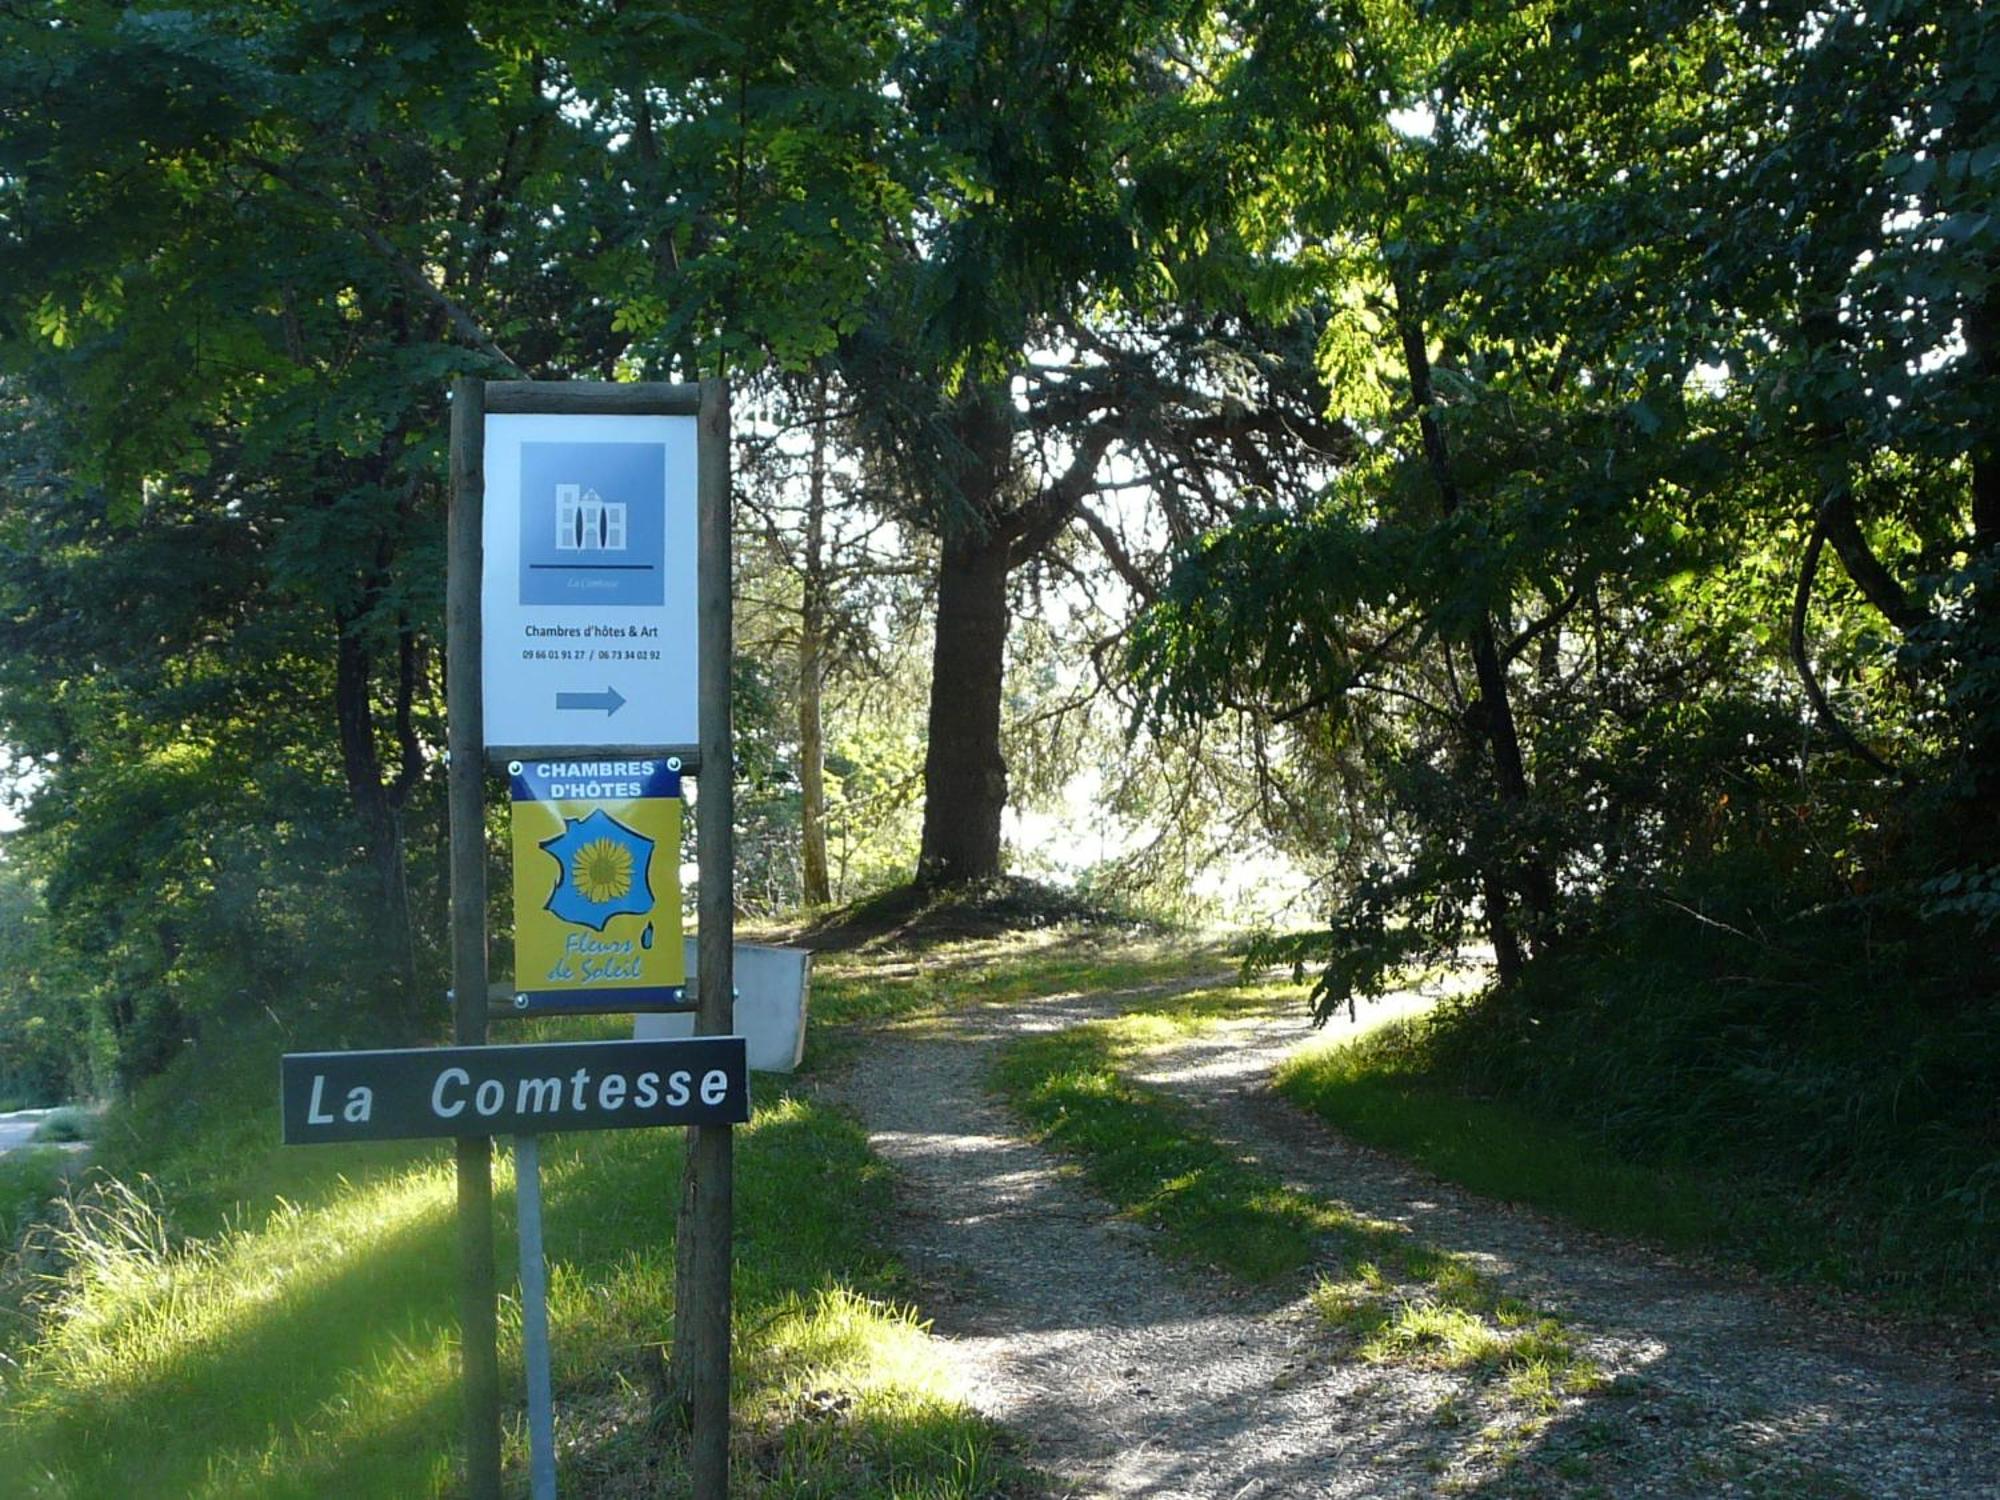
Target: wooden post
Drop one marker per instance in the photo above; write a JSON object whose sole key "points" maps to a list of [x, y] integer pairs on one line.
{"points": [[477, 1315], [708, 1192]]}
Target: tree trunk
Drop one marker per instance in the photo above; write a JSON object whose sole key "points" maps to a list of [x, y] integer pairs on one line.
{"points": [[965, 778], [1510, 776], [1982, 342], [380, 817], [1494, 722], [815, 886]]}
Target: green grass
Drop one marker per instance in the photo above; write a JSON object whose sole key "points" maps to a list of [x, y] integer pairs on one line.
{"points": [[28, 1179], [1445, 1315], [1822, 1077], [1140, 1151], [1387, 1088], [255, 1321], [901, 986], [1393, 1296], [1148, 1156], [1375, 1090]]}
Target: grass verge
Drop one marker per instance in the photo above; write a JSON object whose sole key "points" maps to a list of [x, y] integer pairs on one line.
{"points": [[1374, 1089], [252, 1321], [904, 986], [1389, 1088], [1394, 1296], [68, 1123], [1143, 1153], [28, 1180], [1822, 1077]]}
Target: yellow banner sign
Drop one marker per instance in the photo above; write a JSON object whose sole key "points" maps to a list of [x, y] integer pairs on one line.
{"points": [[597, 893]]}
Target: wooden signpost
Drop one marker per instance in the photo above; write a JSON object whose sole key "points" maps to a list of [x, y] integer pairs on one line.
{"points": [[588, 646]]}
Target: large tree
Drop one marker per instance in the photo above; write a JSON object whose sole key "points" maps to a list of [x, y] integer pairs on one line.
{"points": [[1026, 351], [1613, 434], [246, 248]]}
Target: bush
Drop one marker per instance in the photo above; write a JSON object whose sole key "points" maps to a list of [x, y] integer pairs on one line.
{"points": [[1845, 1054], [67, 1124]]}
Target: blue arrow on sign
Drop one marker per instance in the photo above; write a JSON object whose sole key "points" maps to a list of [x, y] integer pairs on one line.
{"points": [[610, 700]]}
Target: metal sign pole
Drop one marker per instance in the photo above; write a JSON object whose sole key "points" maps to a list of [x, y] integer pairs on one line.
{"points": [[479, 1335], [535, 1318]]}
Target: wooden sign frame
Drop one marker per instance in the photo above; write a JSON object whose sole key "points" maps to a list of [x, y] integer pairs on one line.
{"points": [[704, 1249]]}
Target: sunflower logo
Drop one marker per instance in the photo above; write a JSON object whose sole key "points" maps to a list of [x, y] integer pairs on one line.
{"points": [[603, 871]]}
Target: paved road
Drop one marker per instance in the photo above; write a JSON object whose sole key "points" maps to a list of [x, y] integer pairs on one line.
{"points": [[18, 1128]]}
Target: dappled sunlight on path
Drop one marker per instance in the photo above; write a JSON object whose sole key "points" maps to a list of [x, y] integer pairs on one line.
{"points": [[1126, 1376], [1715, 1380]]}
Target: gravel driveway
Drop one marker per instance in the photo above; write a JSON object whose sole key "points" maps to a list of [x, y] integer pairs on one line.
{"points": [[1125, 1376]]}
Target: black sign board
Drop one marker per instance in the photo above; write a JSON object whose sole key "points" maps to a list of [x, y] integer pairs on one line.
{"points": [[524, 1090]]}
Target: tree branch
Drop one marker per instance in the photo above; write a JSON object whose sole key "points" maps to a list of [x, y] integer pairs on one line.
{"points": [[1801, 602], [1114, 550], [1040, 521], [1877, 584], [1355, 679], [463, 323], [1542, 626]]}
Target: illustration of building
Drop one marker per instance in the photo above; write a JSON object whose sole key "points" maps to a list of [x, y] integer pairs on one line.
{"points": [[586, 522]]}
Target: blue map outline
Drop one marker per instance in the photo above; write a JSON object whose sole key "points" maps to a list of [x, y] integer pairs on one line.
{"points": [[566, 903]]}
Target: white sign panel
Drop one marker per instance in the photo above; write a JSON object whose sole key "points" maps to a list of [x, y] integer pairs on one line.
{"points": [[587, 591], [770, 1005]]}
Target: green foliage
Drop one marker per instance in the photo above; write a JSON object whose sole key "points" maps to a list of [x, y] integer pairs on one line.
{"points": [[1617, 438], [830, 606], [221, 505], [248, 247], [1687, 307], [750, 178], [67, 1125], [28, 1181], [873, 777], [45, 1056]]}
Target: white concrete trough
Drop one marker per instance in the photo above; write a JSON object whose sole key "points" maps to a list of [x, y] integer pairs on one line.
{"points": [[771, 985]]}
